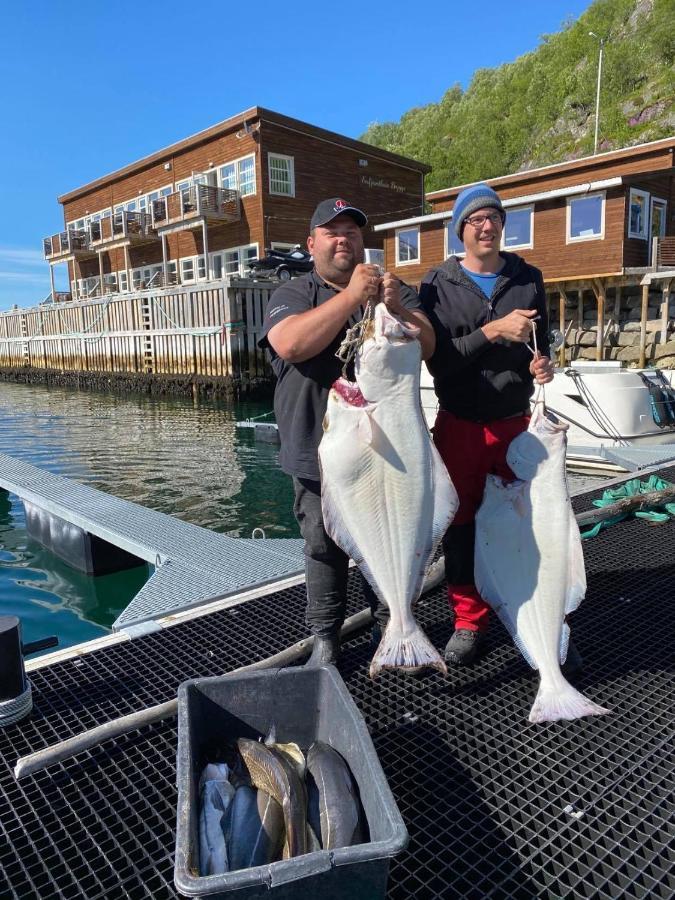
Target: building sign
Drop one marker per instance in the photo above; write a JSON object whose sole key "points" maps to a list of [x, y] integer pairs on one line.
{"points": [[371, 182]]}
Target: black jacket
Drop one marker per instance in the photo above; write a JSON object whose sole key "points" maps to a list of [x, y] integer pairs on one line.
{"points": [[474, 378]]}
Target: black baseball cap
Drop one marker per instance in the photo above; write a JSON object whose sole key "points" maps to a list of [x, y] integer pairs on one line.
{"points": [[328, 210]]}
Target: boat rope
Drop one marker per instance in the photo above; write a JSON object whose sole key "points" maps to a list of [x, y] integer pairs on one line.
{"points": [[596, 412], [354, 337], [13, 710], [661, 512]]}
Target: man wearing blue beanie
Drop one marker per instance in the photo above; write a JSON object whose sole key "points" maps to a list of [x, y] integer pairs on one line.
{"points": [[483, 309]]}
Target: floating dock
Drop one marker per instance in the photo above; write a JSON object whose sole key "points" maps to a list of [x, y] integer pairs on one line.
{"points": [[496, 807]]}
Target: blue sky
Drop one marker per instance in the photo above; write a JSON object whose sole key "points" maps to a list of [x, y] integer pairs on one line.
{"points": [[88, 88]]}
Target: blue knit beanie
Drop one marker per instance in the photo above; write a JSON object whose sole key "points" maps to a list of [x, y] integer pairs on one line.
{"points": [[477, 196]]}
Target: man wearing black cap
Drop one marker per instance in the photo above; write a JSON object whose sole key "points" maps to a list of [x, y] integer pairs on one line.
{"points": [[305, 323]]}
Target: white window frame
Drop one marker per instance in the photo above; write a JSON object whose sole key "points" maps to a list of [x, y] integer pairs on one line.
{"points": [[291, 174], [446, 243], [530, 244], [237, 174], [187, 261], [408, 262], [241, 259], [645, 195], [658, 201], [568, 218], [284, 246]]}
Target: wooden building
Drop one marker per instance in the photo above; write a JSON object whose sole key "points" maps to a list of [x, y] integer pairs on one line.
{"points": [[202, 208], [587, 218]]}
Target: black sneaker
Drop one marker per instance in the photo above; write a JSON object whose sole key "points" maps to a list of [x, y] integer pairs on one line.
{"points": [[462, 647], [326, 651]]}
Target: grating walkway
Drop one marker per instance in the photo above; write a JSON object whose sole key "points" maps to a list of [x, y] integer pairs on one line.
{"points": [[192, 565], [482, 791], [632, 459]]}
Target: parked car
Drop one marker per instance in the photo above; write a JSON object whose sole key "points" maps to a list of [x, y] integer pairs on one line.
{"points": [[283, 263]]}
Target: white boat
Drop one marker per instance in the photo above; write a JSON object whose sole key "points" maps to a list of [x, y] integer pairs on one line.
{"points": [[612, 427]]}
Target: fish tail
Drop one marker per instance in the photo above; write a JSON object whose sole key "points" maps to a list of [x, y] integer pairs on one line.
{"points": [[412, 650], [562, 701]]}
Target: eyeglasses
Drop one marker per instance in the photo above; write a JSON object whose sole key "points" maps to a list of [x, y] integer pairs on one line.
{"points": [[479, 221]]}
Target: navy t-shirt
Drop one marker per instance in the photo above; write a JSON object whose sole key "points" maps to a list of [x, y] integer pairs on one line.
{"points": [[301, 393]]}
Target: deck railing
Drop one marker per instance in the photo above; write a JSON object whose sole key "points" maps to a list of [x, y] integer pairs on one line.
{"points": [[197, 200], [68, 241], [666, 253]]}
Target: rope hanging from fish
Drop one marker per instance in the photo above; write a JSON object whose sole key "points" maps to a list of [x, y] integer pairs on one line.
{"points": [[541, 393], [354, 338]]}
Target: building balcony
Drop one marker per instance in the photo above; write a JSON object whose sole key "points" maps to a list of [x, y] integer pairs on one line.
{"points": [[197, 203], [70, 243], [123, 226], [665, 253]]}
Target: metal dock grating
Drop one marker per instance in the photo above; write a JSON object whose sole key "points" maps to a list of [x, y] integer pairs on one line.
{"points": [[482, 791]]}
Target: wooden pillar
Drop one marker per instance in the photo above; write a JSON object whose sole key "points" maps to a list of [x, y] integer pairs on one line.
{"points": [[205, 241], [617, 304], [664, 312], [127, 268], [561, 317], [600, 296], [580, 308], [165, 262], [643, 325], [100, 272], [51, 281]]}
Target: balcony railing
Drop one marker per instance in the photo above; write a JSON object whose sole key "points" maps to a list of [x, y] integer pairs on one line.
{"points": [[67, 242], [197, 201], [135, 226], [665, 253]]}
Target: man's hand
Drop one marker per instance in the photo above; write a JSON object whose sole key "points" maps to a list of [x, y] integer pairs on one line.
{"points": [[390, 293], [517, 326], [541, 369], [364, 284]]}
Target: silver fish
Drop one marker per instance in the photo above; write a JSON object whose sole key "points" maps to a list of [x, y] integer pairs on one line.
{"points": [[333, 803], [387, 498], [529, 563]]}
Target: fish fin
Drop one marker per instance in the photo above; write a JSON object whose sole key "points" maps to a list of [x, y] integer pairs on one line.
{"points": [[526, 452], [563, 702], [518, 641], [409, 651], [576, 590], [365, 428], [446, 500], [271, 735]]}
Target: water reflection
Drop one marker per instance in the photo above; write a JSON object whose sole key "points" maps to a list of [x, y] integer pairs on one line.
{"points": [[171, 455]]}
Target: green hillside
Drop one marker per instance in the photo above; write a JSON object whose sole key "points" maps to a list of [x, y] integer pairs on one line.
{"points": [[540, 109]]}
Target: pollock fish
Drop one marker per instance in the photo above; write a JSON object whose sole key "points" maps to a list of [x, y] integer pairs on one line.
{"points": [[387, 498], [529, 564], [272, 772], [215, 796], [333, 804]]}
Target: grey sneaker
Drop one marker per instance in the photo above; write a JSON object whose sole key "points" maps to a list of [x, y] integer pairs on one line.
{"points": [[326, 651], [462, 647]]}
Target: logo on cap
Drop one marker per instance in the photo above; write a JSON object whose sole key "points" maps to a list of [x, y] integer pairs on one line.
{"points": [[340, 204]]}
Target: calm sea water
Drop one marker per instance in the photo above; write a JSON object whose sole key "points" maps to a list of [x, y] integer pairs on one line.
{"points": [[183, 458]]}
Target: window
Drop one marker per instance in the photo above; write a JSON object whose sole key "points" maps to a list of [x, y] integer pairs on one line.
{"points": [[586, 218], [239, 176], [238, 258], [282, 176], [217, 265], [201, 267], [123, 281], [518, 228], [231, 262], [187, 270], [407, 246], [453, 245], [638, 214]]}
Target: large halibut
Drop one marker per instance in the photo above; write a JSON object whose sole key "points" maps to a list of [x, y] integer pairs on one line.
{"points": [[529, 565], [387, 497]]}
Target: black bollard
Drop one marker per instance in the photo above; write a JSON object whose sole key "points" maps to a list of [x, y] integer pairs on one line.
{"points": [[12, 672]]}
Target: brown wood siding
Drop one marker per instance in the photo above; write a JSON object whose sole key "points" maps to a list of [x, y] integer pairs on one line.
{"points": [[551, 253], [382, 189], [592, 169], [636, 250]]}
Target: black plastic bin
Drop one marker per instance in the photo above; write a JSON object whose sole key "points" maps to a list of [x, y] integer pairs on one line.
{"points": [[303, 705]]}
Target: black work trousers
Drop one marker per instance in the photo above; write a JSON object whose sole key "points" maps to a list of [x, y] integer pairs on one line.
{"points": [[326, 566]]}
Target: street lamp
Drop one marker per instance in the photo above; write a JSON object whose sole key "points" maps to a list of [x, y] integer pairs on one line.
{"points": [[597, 95]]}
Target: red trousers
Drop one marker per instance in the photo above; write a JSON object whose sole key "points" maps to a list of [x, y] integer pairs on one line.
{"points": [[471, 451]]}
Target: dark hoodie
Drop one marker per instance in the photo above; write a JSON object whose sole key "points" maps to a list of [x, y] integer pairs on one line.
{"points": [[475, 378]]}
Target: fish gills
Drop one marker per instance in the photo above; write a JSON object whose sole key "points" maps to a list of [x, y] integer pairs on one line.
{"points": [[272, 772], [386, 496], [339, 807], [529, 562]]}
